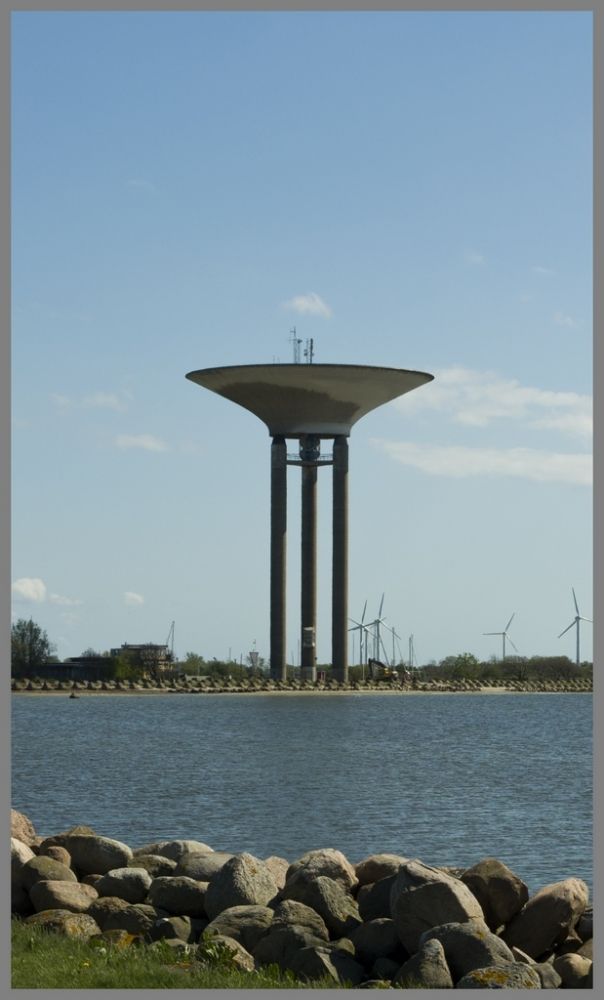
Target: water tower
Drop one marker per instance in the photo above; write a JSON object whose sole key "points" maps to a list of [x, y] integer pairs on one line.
{"points": [[309, 403]]}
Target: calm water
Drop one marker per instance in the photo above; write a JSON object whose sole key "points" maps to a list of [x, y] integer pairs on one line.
{"points": [[448, 779]]}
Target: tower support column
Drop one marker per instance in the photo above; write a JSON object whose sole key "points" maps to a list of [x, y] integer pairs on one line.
{"points": [[278, 556], [339, 605], [309, 450]]}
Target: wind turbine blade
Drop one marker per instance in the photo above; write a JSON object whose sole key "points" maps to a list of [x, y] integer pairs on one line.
{"points": [[492, 633], [358, 624], [382, 605], [512, 644], [364, 610], [585, 619], [510, 622], [575, 599], [566, 629]]}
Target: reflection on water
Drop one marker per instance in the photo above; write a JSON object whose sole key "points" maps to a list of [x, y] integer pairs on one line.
{"points": [[448, 779]]}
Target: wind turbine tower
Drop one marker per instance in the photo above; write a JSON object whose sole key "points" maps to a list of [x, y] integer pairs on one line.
{"points": [[504, 635], [575, 622]]}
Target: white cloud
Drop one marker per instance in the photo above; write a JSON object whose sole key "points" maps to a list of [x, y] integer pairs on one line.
{"points": [[30, 589], [538, 269], [60, 400], [68, 602], [132, 599], [104, 400], [474, 257], [145, 441], [310, 303], [460, 462], [476, 398], [562, 319]]}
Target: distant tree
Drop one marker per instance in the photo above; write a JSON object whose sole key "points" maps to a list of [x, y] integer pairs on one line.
{"points": [[30, 648], [193, 663]]}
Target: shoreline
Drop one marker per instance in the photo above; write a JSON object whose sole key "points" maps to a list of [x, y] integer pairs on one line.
{"points": [[86, 692]]}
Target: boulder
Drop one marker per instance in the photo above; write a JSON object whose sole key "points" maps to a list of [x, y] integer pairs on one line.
{"points": [[469, 945], [500, 893], [91, 854], [328, 862], [56, 852], [155, 864], [423, 897], [376, 939], [173, 928], [131, 884], [547, 917], [242, 880], [291, 912], [20, 853], [337, 907], [427, 969], [201, 865], [378, 866], [73, 925], [514, 976], [22, 828], [179, 895], [104, 909], [62, 895], [282, 942], [239, 957], [173, 849], [320, 961], [42, 869], [374, 900], [384, 969], [135, 918], [573, 970], [278, 867], [246, 924]]}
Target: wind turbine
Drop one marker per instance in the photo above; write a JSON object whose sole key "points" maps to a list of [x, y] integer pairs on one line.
{"points": [[362, 628], [377, 642], [578, 618], [504, 635], [396, 636]]}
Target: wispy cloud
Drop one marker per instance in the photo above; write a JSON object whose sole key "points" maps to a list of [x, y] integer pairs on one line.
{"points": [[95, 400], [141, 184], [562, 319], [474, 257], [29, 589], [132, 599], [460, 462], [539, 269], [476, 398], [311, 304], [145, 441], [34, 590]]}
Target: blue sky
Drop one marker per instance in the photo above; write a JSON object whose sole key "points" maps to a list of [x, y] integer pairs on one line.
{"points": [[409, 189]]}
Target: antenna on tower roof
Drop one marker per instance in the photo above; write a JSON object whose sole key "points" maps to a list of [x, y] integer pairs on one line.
{"points": [[296, 343]]}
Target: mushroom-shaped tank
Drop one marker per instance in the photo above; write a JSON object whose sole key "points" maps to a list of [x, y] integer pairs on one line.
{"points": [[299, 399]]}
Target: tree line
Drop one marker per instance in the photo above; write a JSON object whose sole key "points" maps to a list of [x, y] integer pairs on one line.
{"points": [[32, 651]]}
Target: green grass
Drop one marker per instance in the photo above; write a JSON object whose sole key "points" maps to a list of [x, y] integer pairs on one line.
{"points": [[46, 960]]}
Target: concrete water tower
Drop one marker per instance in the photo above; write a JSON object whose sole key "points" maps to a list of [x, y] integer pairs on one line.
{"points": [[309, 403]]}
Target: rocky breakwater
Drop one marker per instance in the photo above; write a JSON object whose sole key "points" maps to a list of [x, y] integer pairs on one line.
{"points": [[387, 921]]}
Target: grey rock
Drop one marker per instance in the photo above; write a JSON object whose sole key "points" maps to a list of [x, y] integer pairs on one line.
{"points": [[131, 884], [278, 867], [550, 980], [201, 865], [56, 852], [22, 828], [291, 911], [62, 895], [426, 969], [241, 881], [469, 945], [179, 895], [373, 900], [172, 928], [239, 956], [376, 939], [155, 864], [20, 903], [135, 918], [319, 961], [42, 869], [281, 943], [173, 849], [423, 897], [103, 910], [514, 976], [499, 891], [246, 924], [20, 853], [573, 970], [328, 862], [385, 968], [547, 917], [72, 925], [336, 906], [378, 866], [91, 854]]}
